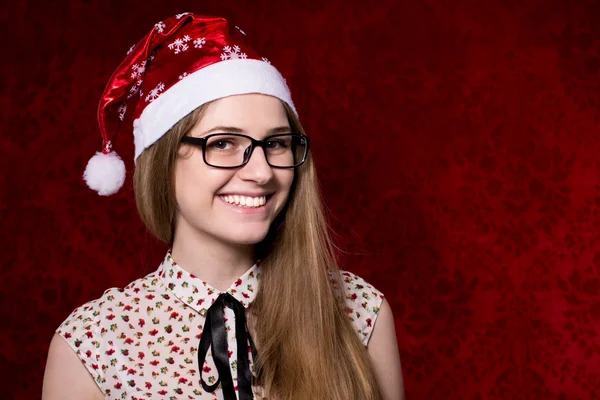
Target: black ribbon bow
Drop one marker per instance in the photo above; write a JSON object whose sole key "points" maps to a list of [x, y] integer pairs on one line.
{"points": [[214, 335]]}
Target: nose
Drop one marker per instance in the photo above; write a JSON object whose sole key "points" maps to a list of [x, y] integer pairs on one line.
{"points": [[257, 169]]}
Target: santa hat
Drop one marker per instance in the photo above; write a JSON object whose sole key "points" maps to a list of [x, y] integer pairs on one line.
{"points": [[183, 62]]}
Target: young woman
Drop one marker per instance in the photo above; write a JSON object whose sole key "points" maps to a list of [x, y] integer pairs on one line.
{"points": [[249, 301]]}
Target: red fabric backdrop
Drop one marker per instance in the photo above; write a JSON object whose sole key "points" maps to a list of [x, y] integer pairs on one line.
{"points": [[457, 143]]}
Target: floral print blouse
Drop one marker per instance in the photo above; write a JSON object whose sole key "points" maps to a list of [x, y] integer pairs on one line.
{"points": [[141, 342]]}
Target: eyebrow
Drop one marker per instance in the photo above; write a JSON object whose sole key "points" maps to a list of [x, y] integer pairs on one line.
{"points": [[234, 129]]}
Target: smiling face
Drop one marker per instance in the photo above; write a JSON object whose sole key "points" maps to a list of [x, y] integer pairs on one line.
{"points": [[210, 200]]}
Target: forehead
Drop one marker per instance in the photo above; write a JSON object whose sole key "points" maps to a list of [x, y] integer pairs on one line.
{"points": [[252, 112]]}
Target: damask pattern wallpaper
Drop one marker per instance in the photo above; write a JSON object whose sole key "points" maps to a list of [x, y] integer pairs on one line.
{"points": [[457, 145]]}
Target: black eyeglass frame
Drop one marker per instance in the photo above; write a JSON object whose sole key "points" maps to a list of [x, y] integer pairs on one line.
{"points": [[201, 142]]}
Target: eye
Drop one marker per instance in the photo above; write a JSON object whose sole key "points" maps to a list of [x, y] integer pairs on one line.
{"points": [[277, 144], [224, 142], [220, 144]]}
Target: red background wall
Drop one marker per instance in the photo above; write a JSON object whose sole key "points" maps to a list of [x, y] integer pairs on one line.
{"points": [[457, 143]]}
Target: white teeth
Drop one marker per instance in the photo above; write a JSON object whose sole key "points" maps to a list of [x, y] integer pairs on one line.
{"points": [[251, 202]]}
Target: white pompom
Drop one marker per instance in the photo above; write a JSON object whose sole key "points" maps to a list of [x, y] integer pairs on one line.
{"points": [[105, 173]]}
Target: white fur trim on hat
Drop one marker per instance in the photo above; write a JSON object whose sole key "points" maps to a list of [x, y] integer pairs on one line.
{"points": [[216, 81]]}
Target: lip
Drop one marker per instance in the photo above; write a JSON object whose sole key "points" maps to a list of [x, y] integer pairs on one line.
{"points": [[265, 209]]}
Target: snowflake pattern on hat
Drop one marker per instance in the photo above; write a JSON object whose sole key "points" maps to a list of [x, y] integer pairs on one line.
{"points": [[141, 342], [180, 44], [122, 110], [232, 54], [154, 93], [138, 70], [135, 88], [160, 26], [198, 43]]}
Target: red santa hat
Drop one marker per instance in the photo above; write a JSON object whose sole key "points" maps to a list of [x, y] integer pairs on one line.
{"points": [[183, 62]]}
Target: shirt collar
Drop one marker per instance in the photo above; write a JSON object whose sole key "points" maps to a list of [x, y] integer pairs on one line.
{"points": [[198, 294]]}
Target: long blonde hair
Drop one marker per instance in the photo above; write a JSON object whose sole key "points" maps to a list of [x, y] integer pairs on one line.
{"points": [[307, 346]]}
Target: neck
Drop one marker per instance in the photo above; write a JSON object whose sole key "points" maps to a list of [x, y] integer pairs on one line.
{"points": [[216, 262]]}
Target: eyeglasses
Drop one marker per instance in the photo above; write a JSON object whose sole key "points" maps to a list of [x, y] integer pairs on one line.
{"points": [[232, 150]]}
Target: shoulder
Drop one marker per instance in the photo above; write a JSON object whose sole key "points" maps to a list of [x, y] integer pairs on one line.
{"points": [[363, 303], [89, 315], [385, 355], [65, 377], [90, 325]]}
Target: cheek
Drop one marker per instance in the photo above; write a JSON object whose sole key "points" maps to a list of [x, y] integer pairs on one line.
{"points": [[191, 181], [183, 179], [196, 183], [285, 179]]}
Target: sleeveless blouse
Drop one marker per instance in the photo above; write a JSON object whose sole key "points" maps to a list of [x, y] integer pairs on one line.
{"points": [[141, 342]]}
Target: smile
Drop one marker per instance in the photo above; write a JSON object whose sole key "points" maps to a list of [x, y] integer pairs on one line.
{"points": [[245, 201]]}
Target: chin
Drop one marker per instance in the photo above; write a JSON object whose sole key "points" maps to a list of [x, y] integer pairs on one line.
{"points": [[245, 238]]}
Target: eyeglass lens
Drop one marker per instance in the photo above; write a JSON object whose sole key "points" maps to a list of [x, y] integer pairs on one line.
{"points": [[229, 151]]}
